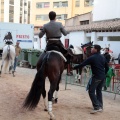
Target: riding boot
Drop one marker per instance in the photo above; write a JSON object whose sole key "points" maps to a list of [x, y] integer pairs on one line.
{"points": [[68, 70]]}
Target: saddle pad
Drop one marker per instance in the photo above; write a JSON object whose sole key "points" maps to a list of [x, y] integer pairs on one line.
{"points": [[77, 51], [59, 54]]}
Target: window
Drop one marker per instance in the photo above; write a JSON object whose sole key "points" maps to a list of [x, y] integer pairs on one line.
{"points": [[42, 17], [21, 3], [60, 4], [61, 17], [11, 13], [65, 4], [77, 3], [11, 17], [2, 2], [11, 2], [2, 11], [85, 22], [56, 4], [11, 9], [20, 20], [88, 3], [29, 6], [21, 11], [25, 12], [42, 5], [25, 4]]}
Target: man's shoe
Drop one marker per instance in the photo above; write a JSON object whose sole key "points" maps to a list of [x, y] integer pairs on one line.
{"points": [[96, 110]]}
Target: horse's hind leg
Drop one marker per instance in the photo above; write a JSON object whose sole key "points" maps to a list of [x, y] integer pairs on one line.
{"points": [[55, 97], [44, 97], [53, 85]]}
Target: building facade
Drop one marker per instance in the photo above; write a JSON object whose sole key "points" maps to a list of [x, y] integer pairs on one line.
{"points": [[64, 9], [17, 11]]}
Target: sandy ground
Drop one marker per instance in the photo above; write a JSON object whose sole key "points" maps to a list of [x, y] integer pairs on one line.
{"points": [[73, 103]]}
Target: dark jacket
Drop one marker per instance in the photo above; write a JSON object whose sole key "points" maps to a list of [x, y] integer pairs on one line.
{"points": [[98, 65], [107, 57]]}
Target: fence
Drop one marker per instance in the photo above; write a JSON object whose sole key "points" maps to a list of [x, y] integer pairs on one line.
{"points": [[112, 84]]}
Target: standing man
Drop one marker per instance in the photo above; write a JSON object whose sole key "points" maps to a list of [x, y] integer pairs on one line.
{"points": [[54, 31], [107, 55], [99, 68], [17, 51]]}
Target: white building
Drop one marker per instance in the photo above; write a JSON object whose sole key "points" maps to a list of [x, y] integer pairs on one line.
{"points": [[104, 29], [17, 11]]}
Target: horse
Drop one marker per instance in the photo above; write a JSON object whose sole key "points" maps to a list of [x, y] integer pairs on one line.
{"points": [[79, 54], [50, 64], [8, 57]]}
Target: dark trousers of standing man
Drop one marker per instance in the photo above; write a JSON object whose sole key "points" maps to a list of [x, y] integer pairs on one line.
{"points": [[95, 93]]}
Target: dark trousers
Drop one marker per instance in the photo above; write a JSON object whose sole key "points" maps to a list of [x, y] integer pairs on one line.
{"points": [[58, 43], [95, 93]]}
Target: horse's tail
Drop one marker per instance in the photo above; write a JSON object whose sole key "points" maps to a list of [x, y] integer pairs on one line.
{"points": [[36, 89]]}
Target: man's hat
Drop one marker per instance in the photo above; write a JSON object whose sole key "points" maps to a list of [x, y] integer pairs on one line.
{"points": [[98, 47]]}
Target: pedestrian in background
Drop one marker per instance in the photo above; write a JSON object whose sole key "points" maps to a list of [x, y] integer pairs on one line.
{"points": [[17, 51]]}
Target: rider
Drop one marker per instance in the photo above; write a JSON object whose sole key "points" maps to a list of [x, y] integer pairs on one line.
{"points": [[53, 32]]}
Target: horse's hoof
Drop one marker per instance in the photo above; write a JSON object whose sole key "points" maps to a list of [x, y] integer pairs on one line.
{"points": [[79, 80], [45, 109], [52, 117], [56, 100]]}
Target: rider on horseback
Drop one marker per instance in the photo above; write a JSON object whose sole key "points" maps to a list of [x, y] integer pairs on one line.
{"points": [[53, 32]]}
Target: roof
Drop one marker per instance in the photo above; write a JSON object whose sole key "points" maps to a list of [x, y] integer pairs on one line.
{"points": [[78, 15], [97, 26]]}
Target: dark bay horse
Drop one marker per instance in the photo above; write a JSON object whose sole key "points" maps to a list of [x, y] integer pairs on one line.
{"points": [[79, 58], [51, 64]]}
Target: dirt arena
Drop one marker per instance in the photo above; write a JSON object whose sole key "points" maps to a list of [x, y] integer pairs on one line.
{"points": [[73, 104]]}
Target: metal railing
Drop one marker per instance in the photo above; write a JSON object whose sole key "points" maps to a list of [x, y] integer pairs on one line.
{"points": [[112, 85]]}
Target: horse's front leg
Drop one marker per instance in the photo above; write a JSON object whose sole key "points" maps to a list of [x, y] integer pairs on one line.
{"points": [[80, 73], [50, 95]]}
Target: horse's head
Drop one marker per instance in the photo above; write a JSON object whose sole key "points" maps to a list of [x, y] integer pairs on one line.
{"points": [[87, 44]]}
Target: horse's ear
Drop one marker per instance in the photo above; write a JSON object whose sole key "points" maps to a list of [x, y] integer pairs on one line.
{"points": [[92, 42]]}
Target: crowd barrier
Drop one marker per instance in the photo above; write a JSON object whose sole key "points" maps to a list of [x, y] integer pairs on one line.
{"points": [[112, 83]]}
